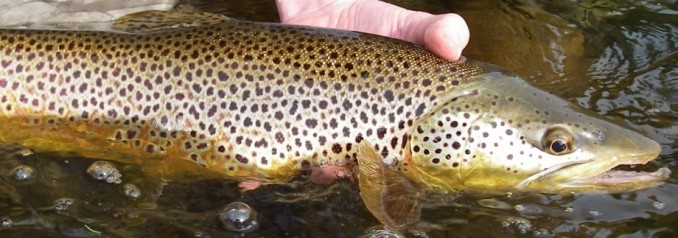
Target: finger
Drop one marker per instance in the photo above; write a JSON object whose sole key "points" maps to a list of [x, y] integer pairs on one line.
{"points": [[447, 36]]}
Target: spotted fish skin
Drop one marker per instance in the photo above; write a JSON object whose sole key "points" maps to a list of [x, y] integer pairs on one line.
{"points": [[245, 99]]}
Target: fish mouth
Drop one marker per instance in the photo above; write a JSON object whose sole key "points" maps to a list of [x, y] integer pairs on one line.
{"points": [[613, 177], [618, 177]]}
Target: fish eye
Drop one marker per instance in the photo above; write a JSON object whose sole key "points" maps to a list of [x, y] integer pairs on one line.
{"points": [[557, 141], [558, 146]]}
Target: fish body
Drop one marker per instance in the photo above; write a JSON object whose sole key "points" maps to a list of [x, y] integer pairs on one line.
{"points": [[236, 97], [268, 101]]}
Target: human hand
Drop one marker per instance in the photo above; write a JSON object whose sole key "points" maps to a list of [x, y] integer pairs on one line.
{"points": [[445, 35]]}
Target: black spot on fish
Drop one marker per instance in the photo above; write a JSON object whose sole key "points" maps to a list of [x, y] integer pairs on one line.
{"points": [[311, 123], [420, 110], [336, 148], [241, 159]]}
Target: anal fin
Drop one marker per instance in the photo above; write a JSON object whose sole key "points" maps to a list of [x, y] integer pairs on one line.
{"points": [[391, 197]]}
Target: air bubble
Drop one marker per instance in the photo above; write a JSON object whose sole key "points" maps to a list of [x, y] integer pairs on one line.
{"points": [[658, 205], [132, 216], [62, 204], [23, 173], [541, 233], [131, 191], [239, 217], [5, 222], [24, 152], [105, 171], [199, 234]]}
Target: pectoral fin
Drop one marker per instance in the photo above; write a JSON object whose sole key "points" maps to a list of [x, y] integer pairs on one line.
{"points": [[389, 195]]}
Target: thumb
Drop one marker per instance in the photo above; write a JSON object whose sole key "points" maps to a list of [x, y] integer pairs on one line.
{"points": [[444, 35]]}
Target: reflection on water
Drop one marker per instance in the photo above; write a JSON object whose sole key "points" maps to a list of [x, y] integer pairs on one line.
{"points": [[626, 55], [525, 38], [618, 58]]}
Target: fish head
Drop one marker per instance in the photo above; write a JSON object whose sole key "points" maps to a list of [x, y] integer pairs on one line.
{"points": [[497, 133]]}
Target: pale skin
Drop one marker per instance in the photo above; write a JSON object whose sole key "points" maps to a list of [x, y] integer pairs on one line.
{"points": [[444, 35]]}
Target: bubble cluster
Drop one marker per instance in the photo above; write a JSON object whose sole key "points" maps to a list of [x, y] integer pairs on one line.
{"points": [[62, 204], [521, 225], [105, 171]]}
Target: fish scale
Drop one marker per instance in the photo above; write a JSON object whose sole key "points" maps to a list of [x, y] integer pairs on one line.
{"points": [[237, 97]]}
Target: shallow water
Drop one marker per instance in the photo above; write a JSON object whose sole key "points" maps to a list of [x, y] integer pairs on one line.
{"points": [[617, 58]]}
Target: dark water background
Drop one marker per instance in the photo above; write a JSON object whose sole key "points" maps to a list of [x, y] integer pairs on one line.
{"points": [[617, 58]]}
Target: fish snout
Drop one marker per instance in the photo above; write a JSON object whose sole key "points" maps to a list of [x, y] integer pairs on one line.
{"points": [[629, 146]]}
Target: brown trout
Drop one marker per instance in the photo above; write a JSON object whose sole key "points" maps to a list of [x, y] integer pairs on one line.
{"points": [[267, 101]]}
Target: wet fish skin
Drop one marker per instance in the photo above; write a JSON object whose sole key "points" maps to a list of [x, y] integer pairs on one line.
{"points": [[245, 99], [267, 101]]}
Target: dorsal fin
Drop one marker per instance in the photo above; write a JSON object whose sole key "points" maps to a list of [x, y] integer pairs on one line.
{"points": [[151, 21], [391, 197]]}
